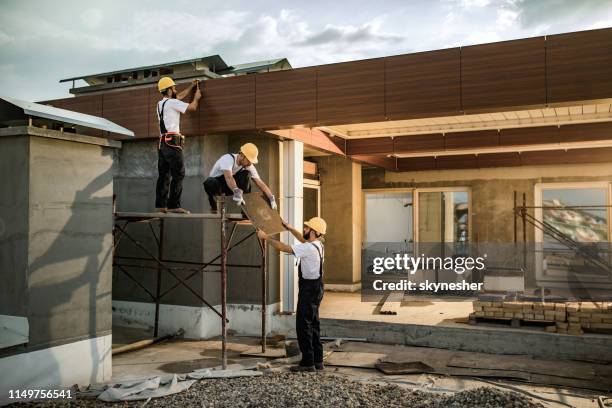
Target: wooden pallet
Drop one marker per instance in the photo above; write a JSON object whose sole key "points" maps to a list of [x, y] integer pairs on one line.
{"points": [[512, 321]]}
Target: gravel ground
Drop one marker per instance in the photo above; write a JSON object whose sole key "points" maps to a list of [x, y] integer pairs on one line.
{"points": [[286, 390]]}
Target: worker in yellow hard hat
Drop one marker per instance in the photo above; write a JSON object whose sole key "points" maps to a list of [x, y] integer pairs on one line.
{"points": [[232, 174], [311, 254], [170, 161]]}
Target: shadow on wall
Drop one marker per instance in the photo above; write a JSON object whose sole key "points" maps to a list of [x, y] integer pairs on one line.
{"points": [[64, 300]]}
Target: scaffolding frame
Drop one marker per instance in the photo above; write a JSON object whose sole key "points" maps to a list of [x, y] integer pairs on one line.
{"points": [[123, 219]]}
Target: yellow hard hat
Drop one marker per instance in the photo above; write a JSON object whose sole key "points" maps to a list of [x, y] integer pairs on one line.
{"points": [[165, 83], [318, 224], [250, 152]]}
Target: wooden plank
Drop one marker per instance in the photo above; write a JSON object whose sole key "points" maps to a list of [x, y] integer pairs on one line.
{"points": [[313, 137], [416, 163], [286, 98], [510, 159], [392, 303], [464, 140], [310, 167], [418, 143], [460, 161], [585, 132], [129, 109], [423, 84], [504, 74], [578, 65], [388, 163], [228, 104], [368, 146], [261, 215], [527, 136], [354, 359], [351, 92]]}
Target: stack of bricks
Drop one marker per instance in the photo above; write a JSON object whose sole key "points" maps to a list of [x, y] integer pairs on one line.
{"points": [[565, 318], [595, 316], [523, 310]]}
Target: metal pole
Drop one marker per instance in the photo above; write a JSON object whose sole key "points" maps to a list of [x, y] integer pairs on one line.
{"points": [[514, 209], [524, 214], [160, 248], [264, 288], [221, 206]]}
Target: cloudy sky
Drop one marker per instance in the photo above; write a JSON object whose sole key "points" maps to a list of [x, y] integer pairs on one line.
{"points": [[42, 42]]}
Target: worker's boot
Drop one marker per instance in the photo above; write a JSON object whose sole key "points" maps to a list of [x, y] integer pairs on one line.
{"points": [[178, 211], [161, 210], [319, 366], [301, 368]]}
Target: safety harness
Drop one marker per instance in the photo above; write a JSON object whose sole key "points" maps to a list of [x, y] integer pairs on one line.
{"points": [[320, 265], [172, 139]]}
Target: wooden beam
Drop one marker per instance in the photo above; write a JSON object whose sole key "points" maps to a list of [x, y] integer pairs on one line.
{"points": [[314, 138]]}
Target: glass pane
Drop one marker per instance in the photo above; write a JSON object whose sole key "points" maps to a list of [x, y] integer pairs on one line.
{"points": [[443, 216], [311, 203], [388, 217], [587, 221]]}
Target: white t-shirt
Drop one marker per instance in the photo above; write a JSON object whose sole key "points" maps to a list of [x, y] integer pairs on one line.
{"points": [[227, 162], [309, 258], [172, 113]]}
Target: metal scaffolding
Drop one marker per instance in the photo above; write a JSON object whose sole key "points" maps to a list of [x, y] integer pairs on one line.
{"points": [[162, 264]]}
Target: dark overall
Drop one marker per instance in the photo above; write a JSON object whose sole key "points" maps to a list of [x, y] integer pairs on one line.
{"points": [[307, 327], [218, 186], [170, 164]]}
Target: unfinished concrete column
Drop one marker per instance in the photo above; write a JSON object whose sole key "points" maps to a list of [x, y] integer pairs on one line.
{"points": [[341, 207], [292, 208]]}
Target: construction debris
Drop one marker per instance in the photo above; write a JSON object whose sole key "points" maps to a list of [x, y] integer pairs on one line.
{"points": [[316, 390]]}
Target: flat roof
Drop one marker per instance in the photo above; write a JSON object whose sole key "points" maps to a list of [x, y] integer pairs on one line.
{"points": [[60, 115], [214, 59]]}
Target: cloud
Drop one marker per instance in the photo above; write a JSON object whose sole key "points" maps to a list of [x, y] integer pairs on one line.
{"points": [[369, 32], [92, 18]]}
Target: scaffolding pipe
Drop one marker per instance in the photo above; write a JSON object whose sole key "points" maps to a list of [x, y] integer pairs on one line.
{"points": [[221, 207]]}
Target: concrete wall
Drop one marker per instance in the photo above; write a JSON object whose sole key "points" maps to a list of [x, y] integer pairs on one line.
{"points": [[492, 191], [56, 236], [341, 208], [192, 240]]}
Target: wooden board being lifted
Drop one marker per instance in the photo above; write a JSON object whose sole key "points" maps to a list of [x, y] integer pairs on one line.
{"points": [[261, 215]]}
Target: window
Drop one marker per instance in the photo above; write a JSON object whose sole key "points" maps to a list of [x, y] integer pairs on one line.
{"points": [[443, 215], [388, 217]]}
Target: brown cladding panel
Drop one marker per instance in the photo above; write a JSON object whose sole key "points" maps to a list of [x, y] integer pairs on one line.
{"points": [[527, 136], [228, 104], [499, 160], [351, 92], [418, 143], [128, 109], [579, 66], [462, 161], [468, 140], [286, 98], [423, 84], [504, 74], [416, 163], [585, 132], [375, 145]]}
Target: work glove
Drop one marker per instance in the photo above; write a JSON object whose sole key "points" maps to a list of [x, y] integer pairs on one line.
{"points": [[273, 203], [238, 196]]}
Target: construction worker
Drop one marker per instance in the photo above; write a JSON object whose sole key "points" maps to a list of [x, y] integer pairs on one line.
{"points": [[170, 162], [232, 174], [311, 255]]}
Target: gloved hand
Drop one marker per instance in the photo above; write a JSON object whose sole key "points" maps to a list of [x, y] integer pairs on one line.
{"points": [[238, 196], [273, 203]]}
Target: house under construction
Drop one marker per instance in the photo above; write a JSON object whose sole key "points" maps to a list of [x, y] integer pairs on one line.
{"points": [[483, 144]]}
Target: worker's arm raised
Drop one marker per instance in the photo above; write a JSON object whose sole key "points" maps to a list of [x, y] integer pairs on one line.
{"points": [[275, 243], [193, 106], [183, 94], [297, 234]]}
